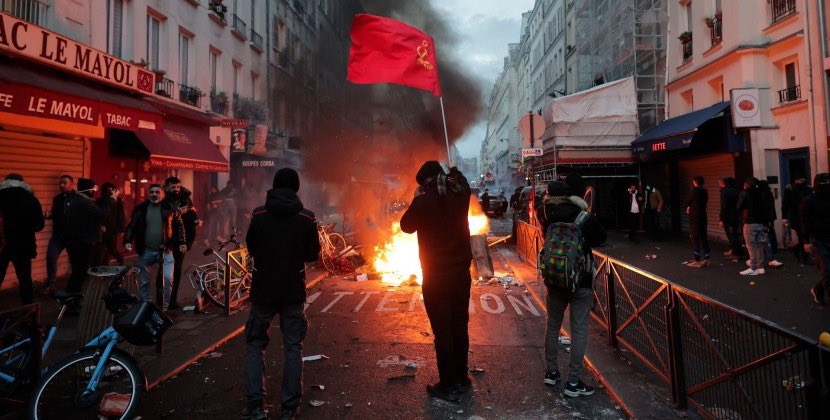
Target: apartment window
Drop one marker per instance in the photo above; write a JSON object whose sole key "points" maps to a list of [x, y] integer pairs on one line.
{"points": [[214, 69], [153, 44], [115, 27], [781, 9], [687, 11], [236, 79], [184, 59], [254, 85], [792, 90]]}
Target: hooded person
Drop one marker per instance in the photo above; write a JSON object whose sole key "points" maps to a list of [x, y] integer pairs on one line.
{"points": [[22, 217], [438, 213], [815, 222], [561, 205], [282, 237]]}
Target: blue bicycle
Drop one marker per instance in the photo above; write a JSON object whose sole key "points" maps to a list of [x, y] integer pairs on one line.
{"points": [[99, 380]]}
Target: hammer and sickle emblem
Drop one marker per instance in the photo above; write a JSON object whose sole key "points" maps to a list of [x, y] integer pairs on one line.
{"points": [[423, 52]]}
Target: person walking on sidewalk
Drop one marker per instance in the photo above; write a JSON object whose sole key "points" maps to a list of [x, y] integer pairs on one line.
{"points": [[653, 207], [815, 219], [635, 211], [754, 216], [179, 198], [562, 206], [57, 242], [438, 213], [729, 220], [21, 217], [794, 196], [282, 237], [771, 245], [695, 205], [81, 232], [156, 229], [112, 224]]}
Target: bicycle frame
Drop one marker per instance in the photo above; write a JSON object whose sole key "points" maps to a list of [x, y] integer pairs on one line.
{"points": [[28, 313], [106, 339]]}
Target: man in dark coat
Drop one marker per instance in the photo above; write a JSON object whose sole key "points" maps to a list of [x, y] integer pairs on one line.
{"points": [[794, 196], [57, 242], [281, 239], [438, 213], [485, 200], [695, 205], [562, 206], [112, 224], [179, 197], [81, 232], [815, 219], [729, 219], [22, 216]]}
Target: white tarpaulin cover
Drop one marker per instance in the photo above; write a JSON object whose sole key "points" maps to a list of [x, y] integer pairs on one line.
{"points": [[603, 116]]}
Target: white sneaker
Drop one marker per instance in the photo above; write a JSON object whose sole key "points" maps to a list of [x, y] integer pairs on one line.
{"points": [[761, 271], [775, 264], [747, 263], [749, 272]]}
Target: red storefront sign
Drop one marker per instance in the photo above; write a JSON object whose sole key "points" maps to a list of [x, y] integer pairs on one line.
{"points": [[27, 100], [169, 162]]}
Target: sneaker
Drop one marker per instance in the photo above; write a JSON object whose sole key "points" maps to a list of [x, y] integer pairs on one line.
{"points": [[254, 413], [816, 299], [705, 262], [761, 271], [577, 389], [695, 264], [464, 386], [552, 378], [442, 393], [727, 253], [749, 272], [775, 264], [290, 413]]}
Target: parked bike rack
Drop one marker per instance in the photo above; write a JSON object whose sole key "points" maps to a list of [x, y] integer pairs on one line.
{"points": [[236, 266]]}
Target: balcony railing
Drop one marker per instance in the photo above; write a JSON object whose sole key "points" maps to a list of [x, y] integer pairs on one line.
{"points": [[256, 40], [789, 94], [686, 45], [33, 11], [190, 95], [781, 9], [164, 87], [716, 30], [238, 27]]}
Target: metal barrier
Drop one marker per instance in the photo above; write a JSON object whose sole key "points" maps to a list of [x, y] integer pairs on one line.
{"points": [[726, 362], [237, 279]]}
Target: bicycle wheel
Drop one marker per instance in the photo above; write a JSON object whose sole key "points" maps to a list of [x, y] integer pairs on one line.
{"points": [[17, 362], [214, 286], [338, 243], [61, 392]]}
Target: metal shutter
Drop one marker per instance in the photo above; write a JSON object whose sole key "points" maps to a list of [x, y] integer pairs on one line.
{"points": [[41, 160], [712, 168]]}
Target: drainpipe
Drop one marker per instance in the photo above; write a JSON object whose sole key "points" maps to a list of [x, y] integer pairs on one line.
{"points": [[814, 148], [666, 77], [268, 20], [823, 40]]}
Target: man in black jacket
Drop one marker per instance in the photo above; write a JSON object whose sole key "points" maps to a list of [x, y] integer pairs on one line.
{"points": [[438, 213], [82, 230], [22, 216], [794, 196], [562, 206], [112, 224], [729, 220], [156, 228], [695, 205], [755, 218], [57, 242], [179, 197], [815, 219], [282, 237]]}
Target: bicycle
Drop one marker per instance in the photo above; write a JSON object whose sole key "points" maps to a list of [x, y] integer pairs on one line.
{"points": [[101, 379], [332, 246], [210, 277]]}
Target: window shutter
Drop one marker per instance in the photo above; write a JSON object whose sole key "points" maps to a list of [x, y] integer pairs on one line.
{"points": [[117, 18], [184, 59], [154, 43]]}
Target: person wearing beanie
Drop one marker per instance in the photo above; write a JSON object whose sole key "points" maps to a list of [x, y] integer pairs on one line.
{"points": [[22, 217], [438, 213], [282, 237], [562, 205]]}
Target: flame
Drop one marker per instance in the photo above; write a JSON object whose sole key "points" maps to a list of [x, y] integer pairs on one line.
{"points": [[397, 261]]}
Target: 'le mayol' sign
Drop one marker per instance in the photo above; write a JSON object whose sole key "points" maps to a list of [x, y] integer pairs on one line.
{"points": [[25, 39]]}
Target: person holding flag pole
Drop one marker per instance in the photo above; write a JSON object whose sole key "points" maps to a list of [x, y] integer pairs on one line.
{"points": [[385, 50]]}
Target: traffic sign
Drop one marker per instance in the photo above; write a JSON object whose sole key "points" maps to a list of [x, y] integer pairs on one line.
{"points": [[536, 151], [535, 120]]}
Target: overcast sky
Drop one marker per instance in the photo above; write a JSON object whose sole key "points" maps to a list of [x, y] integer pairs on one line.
{"points": [[485, 27]]}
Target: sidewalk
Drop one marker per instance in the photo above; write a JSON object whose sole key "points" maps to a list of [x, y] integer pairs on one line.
{"points": [[781, 295]]}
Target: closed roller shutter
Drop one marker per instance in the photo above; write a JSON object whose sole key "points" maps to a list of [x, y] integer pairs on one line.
{"points": [[712, 168], [41, 160]]}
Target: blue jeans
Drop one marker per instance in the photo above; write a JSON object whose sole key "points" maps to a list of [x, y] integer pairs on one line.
{"points": [[151, 257], [53, 251]]}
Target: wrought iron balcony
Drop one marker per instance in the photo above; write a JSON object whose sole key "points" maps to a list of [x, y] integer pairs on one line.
{"points": [[190, 95], [238, 27], [781, 9], [33, 11], [164, 87], [716, 30], [789, 94], [256, 40], [686, 45]]}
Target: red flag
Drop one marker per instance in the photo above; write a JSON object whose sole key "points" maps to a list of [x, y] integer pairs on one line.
{"points": [[386, 50]]}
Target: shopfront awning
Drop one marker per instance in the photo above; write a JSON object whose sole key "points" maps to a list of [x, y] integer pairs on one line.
{"points": [[26, 89], [183, 144], [676, 133]]}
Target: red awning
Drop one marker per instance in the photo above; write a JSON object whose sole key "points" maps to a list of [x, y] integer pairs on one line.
{"points": [[29, 90], [183, 144]]}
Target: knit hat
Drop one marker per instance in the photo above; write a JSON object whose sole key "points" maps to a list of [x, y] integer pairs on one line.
{"points": [[576, 182], [559, 189], [287, 178], [429, 170]]}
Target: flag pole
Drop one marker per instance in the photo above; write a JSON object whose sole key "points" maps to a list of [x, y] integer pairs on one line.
{"points": [[446, 137]]}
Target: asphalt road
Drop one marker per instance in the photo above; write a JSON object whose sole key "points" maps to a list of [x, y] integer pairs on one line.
{"points": [[370, 332]]}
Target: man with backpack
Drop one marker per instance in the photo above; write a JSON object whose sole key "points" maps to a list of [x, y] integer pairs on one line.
{"points": [[567, 269]]}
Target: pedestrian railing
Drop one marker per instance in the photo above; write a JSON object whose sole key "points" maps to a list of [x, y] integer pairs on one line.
{"points": [[726, 362]]}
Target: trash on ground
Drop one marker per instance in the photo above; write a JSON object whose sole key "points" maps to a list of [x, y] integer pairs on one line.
{"points": [[400, 377], [316, 403], [320, 387], [412, 365], [214, 355], [114, 404], [348, 405], [362, 277], [190, 308], [314, 357], [794, 383]]}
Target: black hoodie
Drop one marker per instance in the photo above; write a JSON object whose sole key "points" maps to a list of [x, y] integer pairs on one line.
{"points": [[281, 238]]}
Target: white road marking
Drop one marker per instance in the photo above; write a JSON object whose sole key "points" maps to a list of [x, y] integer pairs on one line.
{"points": [[339, 296], [310, 299], [383, 301], [527, 304], [365, 298], [485, 303]]}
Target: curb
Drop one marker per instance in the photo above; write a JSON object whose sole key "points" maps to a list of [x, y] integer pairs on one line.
{"points": [[614, 394], [215, 345]]}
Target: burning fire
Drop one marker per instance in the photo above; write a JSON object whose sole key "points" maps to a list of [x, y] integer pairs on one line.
{"points": [[397, 261]]}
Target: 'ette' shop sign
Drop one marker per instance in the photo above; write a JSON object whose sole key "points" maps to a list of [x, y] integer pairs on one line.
{"points": [[25, 39]]}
